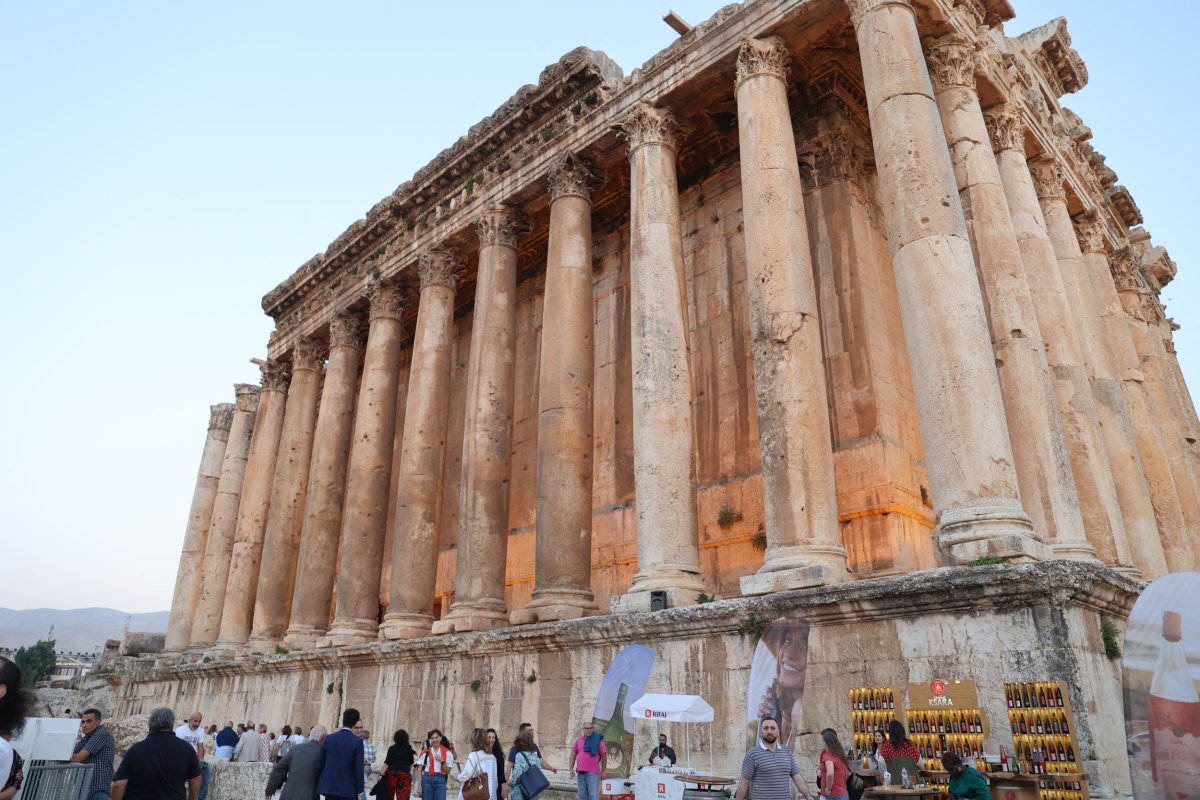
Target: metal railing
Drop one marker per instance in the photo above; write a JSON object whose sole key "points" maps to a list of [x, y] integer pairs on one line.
{"points": [[50, 780]]}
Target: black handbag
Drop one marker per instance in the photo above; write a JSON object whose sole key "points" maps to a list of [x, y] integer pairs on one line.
{"points": [[532, 781], [379, 789]]}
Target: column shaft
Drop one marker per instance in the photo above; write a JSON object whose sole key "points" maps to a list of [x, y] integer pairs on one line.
{"points": [[563, 576], [369, 475], [195, 537], [1031, 407], [277, 573], [423, 452], [237, 612], [1112, 413], [664, 457], [963, 427], [322, 525], [206, 622], [799, 499], [1085, 447], [487, 433]]}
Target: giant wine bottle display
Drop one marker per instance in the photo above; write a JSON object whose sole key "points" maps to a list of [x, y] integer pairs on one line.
{"points": [[624, 683], [1162, 705]]}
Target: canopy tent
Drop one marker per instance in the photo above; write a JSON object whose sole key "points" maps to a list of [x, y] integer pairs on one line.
{"points": [[672, 708], [676, 708]]}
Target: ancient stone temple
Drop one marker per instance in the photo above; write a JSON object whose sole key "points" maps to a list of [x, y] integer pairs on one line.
{"points": [[829, 309]]}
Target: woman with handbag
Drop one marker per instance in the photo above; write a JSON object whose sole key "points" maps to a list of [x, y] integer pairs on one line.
{"points": [[527, 768], [477, 781]]}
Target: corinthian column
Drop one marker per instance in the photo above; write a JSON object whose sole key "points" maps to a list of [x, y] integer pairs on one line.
{"points": [[664, 457], [423, 452], [206, 621], [326, 482], [563, 576], [799, 500], [277, 575], [1031, 408], [1122, 368], [369, 473], [487, 432], [195, 537], [238, 609], [1112, 413], [961, 410], [1085, 448]]}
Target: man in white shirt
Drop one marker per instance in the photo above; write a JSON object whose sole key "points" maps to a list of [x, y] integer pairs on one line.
{"points": [[193, 734]]}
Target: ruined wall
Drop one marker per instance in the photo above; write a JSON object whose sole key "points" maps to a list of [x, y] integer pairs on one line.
{"points": [[987, 624]]}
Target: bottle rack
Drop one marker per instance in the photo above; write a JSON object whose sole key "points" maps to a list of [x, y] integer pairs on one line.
{"points": [[1043, 730], [947, 730], [1062, 789], [871, 709]]}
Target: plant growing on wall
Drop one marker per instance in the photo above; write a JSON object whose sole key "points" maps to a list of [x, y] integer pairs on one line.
{"points": [[728, 516]]}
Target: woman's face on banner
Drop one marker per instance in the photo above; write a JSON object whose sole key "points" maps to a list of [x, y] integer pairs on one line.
{"points": [[793, 658]]}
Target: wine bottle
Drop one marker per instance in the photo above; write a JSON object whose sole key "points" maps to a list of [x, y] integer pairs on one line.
{"points": [[1058, 700], [616, 755], [1008, 694], [1173, 716], [1042, 696]]}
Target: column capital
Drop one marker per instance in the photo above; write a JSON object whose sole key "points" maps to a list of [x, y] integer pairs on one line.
{"points": [[308, 354], [500, 225], [1047, 178], [220, 417], [246, 395], [833, 156], [346, 330], [276, 375], [1005, 128], [1090, 232], [645, 124], [767, 56], [1126, 269], [952, 62], [440, 266], [570, 176], [859, 9], [387, 300]]}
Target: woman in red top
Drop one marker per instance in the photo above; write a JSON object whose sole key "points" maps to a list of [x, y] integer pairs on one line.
{"points": [[834, 769], [898, 743]]}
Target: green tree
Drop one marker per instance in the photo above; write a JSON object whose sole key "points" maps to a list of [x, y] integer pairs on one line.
{"points": [[36, 662]]}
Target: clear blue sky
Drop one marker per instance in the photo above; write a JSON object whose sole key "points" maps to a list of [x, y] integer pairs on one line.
{"points": [[166, 164]]}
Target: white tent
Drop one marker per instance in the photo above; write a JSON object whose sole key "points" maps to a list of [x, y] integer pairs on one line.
{"points": [[676, 708], [672, 708]]}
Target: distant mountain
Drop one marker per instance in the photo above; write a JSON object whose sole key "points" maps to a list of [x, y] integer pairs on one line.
{"points": [[82, 630]]}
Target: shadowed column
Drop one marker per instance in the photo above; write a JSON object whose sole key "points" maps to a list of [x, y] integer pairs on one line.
{"points": [[326, 486], [423, 452], [195, 537]]}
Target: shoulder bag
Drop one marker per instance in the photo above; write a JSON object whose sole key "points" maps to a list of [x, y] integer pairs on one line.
{"points": [[476, 787], [532, 781]]}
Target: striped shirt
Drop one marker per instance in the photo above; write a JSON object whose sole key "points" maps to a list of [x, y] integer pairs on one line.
{"points": [[102, 752], [770, 773]]}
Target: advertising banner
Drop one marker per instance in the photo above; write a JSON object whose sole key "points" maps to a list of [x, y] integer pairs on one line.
{"points": [[623, 684], [776, 686]]}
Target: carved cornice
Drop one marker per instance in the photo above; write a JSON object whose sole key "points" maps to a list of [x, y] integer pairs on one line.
{"points": [[1047, 178], [647, 125], [859, 9], [309, 354], [246, 395], [499, 226], [387, 300], [972, 14], [220, 416], [440, 266], [1122, 202], [276, 375], [1090, 232], [952, 62], [571, 177], [1006, 129], [766, 56], [346, 329], [832, 83], [1050, 48]]}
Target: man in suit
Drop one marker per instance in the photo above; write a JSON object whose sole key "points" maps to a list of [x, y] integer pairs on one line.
{"points": [[297, 771], [248, 746], [340, 762]]}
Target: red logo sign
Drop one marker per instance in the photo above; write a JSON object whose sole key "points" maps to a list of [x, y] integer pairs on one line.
{"points": [[662, 788], [647, 713], [938, 687]]}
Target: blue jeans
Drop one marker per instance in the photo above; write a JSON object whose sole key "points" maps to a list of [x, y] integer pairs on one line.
{"points": [[589, 785], [204, 773], [101, 794], [433, 787]]}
